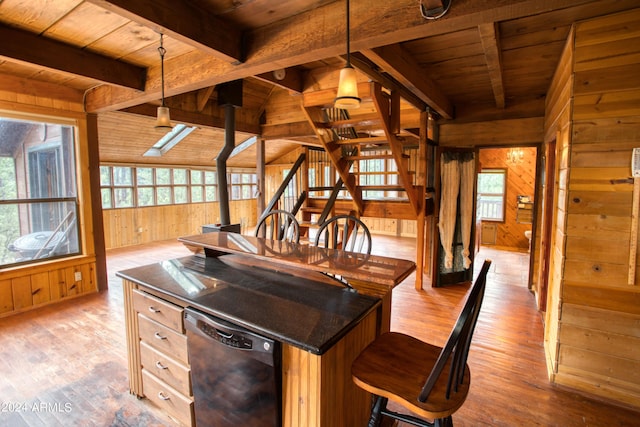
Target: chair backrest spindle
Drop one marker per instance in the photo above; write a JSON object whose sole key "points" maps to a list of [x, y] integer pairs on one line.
{"points": [[457, 347]]}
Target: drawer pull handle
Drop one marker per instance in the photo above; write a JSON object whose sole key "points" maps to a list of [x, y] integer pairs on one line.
{"points": [[162, 396], [153, 309], [158, 336], [160, 365]]}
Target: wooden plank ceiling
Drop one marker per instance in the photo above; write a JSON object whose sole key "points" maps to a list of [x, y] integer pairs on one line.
{"points": [[480, 61]]}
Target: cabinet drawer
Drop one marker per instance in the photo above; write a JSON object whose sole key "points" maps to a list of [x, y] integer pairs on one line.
{"points": [[159, 310], [167, 398], [166, 369], [164, 339]]}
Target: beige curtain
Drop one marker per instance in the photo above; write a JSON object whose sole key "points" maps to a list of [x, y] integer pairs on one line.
{"points": [[450, 184], [467, 180]]}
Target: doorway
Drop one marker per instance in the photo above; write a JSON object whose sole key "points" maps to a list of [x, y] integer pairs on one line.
{"points": [[506, 200]]}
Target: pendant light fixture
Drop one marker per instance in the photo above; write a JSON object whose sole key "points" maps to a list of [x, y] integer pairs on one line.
{"points": [[348, 84], [163, 120]]}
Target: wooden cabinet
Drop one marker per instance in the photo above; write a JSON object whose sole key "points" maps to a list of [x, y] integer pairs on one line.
{"points": [[161, 362]]}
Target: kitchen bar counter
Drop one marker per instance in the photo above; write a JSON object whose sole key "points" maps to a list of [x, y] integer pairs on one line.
{"points": [[275, 289], [305, 313]]}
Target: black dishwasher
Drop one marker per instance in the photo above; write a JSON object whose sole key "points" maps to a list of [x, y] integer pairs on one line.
{"points": [[235, 373]]}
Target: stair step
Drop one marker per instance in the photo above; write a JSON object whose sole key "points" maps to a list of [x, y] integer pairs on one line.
{"points": [[359, 121], [381, 188], [380, 156], [362, 141], [313, 189]]}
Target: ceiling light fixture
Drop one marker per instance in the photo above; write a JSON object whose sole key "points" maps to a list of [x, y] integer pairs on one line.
{"points": [[163, 120], [347, 96]]}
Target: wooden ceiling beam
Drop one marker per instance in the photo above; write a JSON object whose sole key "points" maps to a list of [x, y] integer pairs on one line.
{"points": [[37, 88], [397, 62], [489, 34], [184, 21], [202, 97], [291, 81], [27, 47], [193, 118], [372, 70], [294, 41]]}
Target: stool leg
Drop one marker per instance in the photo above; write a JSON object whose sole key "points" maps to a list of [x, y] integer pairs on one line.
{"points": [[375, 418]]}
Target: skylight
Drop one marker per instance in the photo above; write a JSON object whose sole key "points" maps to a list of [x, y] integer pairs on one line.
{"points": [[167, 142]]}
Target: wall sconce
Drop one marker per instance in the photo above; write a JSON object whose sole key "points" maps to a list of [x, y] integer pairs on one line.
{"points": [[515, 155], [347, 96]]}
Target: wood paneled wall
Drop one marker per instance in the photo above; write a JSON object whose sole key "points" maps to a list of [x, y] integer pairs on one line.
{"points": [[134, 226], [520, 181], [592, 337]]}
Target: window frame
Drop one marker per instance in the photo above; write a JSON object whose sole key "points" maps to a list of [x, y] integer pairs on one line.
{"points": [[503, 195]]}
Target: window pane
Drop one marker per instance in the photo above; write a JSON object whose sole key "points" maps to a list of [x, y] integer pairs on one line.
{"points": [[180, 194], [196, 177], [246, 192], [235, 178], [210, 177], [211, 193], [106, 198], [123, 197], [144, 176], [105, 175], [38, 163], [196, 194], [491, 189], [163, 176], [145, 196], [246, 178], [163, 195], [235, 192], [122, 176], [9, 231], [179, 176]]}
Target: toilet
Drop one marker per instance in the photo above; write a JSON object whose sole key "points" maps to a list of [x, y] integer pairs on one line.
{"points": [[527, 234]]}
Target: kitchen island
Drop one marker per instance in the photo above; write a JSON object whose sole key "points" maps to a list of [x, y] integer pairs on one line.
{"points": [[272, 288]]}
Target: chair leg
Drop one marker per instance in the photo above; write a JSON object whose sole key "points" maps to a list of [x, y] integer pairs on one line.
{"points": [[376, 417], [444, 422]]}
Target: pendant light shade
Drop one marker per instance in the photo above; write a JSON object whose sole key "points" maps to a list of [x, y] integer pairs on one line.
{"points": [[163, 121], [347, 89], [347, 96]]}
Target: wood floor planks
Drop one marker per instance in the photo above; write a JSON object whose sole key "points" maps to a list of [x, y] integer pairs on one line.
{"points": [[73, 354]]}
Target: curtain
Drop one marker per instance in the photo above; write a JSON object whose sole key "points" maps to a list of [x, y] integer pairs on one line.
{"points": [[450, 183], [467, 180]]}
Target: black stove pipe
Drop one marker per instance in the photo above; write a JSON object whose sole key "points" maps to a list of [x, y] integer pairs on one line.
{"points": [[221, 162]]}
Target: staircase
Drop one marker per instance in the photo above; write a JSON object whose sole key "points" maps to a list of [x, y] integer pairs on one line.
{"points": [[353, 144]]}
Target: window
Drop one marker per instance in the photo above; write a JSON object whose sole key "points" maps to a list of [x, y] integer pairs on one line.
{"points": [[243, 186], [125, 186], [38, 196], [491, 194]]}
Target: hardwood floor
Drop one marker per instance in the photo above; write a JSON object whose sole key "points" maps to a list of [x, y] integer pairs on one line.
{"points": [[65, 365]]}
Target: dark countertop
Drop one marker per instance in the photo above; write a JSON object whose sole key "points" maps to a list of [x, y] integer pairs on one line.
{"points": [[299, 311]]}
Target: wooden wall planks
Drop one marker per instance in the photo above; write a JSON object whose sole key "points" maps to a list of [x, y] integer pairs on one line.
{"points": [[592, 338], [121, 225]]}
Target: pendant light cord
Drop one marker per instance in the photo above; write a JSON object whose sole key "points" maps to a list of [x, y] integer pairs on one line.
{"points": [[348, 48], [162, 51]]}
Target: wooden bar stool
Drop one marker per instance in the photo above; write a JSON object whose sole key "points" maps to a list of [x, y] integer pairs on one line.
{"points": [[430, 381]]}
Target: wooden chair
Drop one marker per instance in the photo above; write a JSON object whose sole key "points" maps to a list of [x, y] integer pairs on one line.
{"points": [[344, 232], [279, 225], [430, 381]]}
